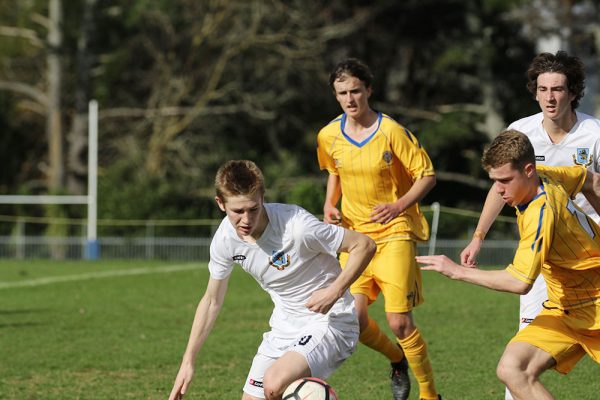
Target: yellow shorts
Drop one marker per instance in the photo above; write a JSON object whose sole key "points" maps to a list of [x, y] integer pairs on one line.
{"points": [[392, 271], [566, 336]]}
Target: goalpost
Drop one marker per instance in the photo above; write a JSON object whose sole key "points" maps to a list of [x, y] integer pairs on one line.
{"points": [[92, 246]]}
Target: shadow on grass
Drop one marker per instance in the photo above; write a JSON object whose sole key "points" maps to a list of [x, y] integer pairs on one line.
{"points": [[19, 312], [21, 325], [24, 311]]}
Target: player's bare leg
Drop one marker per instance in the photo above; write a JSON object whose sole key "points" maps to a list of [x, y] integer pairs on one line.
{"points": [[372, 337], [370, 333], [520, 368], [285, 370], [246, 396], [415, 350]]}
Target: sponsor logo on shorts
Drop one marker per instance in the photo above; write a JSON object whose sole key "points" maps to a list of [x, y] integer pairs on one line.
{"points": [[279, 260], [304, 340], [239, 258], [255, 383], [540, 158], [526, 320]]}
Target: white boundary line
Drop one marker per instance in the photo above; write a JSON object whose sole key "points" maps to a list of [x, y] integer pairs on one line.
{"points": [[98, 275]]}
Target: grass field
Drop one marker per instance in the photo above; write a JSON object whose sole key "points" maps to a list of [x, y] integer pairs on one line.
{"points": [[116, 330]]}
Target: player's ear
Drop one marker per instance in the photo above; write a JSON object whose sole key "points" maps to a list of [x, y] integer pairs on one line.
{"points": [[529, 169], [220, 203]]}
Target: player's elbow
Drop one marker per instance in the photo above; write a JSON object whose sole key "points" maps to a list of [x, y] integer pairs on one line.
{"points": [[368, 245], [521, 288], [429, 182], [433, 181]]}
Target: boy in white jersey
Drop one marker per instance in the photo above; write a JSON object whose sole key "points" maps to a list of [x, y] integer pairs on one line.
{"points": [[560, 136], [293, 256]]}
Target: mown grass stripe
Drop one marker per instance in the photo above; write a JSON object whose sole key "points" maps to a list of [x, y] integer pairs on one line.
{"points": [[97, 275]]}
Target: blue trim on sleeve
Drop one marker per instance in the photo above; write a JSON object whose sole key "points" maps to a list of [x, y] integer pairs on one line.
{"points": [[411, 137]]}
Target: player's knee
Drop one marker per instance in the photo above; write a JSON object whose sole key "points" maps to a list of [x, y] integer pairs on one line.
{"points": [[272, 391], [503, 372], [273, 385], [402, 325], [509, 369], [363, 321]]}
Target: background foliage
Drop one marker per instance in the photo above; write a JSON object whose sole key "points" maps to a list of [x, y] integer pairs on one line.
{"points": [[184, 85]]}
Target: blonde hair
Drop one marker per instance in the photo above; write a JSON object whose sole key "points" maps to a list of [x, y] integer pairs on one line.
{"points": [[239, 178], [510, 146]]}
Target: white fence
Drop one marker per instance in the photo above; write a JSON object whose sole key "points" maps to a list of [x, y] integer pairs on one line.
{"points": [[494, 252], [189, 239]]}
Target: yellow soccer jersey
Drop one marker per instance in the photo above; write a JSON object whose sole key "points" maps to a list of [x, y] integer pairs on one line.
{"points": [[559, 241], [379, 170]]}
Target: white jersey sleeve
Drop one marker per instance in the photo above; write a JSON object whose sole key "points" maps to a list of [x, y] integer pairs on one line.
{"points": [[221, 257], [316, 235]]}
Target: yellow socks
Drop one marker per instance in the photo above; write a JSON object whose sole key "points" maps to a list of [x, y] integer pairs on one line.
{"points": [[415, 351], [374, 338]]}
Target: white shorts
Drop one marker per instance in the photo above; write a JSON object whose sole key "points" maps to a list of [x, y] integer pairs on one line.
{"points": [[531, 303], [324, 345]]}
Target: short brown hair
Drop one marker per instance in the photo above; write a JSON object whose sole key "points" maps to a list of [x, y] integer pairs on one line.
{"points": [[239, 178], [510, 146], [570, 66], [351, 67]]}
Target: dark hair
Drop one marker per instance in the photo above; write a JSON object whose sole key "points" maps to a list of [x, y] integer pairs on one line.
{"points": [[510, 146], [352, 67], [239, 178], [570, 66]]}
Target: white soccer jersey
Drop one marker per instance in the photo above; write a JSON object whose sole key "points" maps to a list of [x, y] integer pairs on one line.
{"points": [[295, 256], [581, 146]]}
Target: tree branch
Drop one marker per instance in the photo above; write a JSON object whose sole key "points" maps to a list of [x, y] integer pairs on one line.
{"points": [[25, 89], [125, 112], [464, 179], [23, 33]]}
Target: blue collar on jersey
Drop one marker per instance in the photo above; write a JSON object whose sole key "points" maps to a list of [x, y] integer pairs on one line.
{"points": [[523, 207], [354, 142]]}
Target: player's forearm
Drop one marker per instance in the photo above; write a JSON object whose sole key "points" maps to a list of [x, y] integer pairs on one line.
{"points": [[334, 190], [491, 209], [416, 193], [360, 249], [206, 315], [591, 189], [499, 280]]}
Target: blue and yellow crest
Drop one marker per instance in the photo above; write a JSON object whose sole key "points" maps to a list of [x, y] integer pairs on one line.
{"points": [[387, 157], [583, 157], [279, 260]]}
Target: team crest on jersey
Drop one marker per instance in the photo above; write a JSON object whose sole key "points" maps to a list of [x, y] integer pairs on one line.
{"points": [[279, 260], [387, 157], [337, 162], [583, 157]]}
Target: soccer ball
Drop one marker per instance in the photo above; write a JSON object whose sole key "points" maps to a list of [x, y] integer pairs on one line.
{"points": [[309, 389]]}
